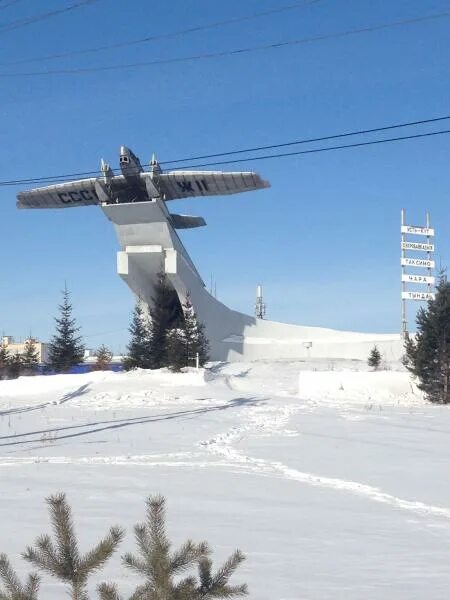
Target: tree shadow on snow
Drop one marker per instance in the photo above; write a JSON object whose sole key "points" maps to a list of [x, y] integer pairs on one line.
{"points": [[112, 424], [83, 389]]}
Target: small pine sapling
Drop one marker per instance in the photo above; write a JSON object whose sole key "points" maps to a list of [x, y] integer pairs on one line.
{"points": [[30, 357], [61, 558], [374, 359], [104, 357], [163, 569], [12, 588]]}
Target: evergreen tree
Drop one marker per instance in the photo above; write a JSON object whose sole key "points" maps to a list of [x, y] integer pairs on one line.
{"points": [[66, 348], [428, 356], [61, 557], [13, 589], [166, 314], [14, 368], [30, 357], [374, 359], [104, 357], [4, 361], [139, 349], [196, 341], [176, 349], [160, 567]]}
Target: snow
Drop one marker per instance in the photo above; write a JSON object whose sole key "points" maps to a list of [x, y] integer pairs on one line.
{"points": [[332, 478]]}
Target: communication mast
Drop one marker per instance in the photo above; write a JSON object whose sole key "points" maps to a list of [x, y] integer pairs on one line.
{"points": [[427, 263], [260, 307]]}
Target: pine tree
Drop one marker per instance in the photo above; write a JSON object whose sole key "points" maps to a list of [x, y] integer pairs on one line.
{"points": [[176, 349], [104, 357], [161, 567], [428, 356], [196, 342], [4, 361], [166, 314], [66, 349], [139, 349], [14, 368], [13, 589], [30, 357], [374, 359], [62, 558]]}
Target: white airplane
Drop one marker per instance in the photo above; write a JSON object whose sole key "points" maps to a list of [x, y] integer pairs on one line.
{"points": [[137, 185]]}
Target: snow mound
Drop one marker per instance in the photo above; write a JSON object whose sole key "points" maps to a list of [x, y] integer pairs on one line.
{"points": [[392, 387]]}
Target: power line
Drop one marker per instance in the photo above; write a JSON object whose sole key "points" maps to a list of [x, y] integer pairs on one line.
{"points": [[325, 149], [65, 177], [8, 4], [310, 140], [225, 53], [246, 150], [43, 16], [162, 36]]}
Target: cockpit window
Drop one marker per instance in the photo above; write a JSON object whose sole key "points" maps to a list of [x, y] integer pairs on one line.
{"points": [[124, 159]]}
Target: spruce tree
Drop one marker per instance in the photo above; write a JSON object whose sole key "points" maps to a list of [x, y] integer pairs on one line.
{"points": [[428, 356], [161, 567], [30, 357], [196, 342], [12, 588], [374, 359], [66, 349], [14, 368], [104, 357], [4, 361], [166, 314], [176, 349], [139, 354], [61, 558]]}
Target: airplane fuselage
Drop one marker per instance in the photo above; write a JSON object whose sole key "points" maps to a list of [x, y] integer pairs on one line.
{"points": [[131, 168]]}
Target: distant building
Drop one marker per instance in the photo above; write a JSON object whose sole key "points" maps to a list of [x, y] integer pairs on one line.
{"points": [[13, 347]]}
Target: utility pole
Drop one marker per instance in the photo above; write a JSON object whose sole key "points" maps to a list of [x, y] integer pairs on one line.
{"points": [[260, 307]]}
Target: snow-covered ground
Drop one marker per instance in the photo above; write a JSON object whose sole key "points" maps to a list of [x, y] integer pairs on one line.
{"points": [[334, 480]]}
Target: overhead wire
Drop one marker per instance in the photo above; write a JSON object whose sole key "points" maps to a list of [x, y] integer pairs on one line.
{"points": [[71, 176], [168, 35], [310, 140], [324, 149], [13, 25], [8, 4], [226, 53]]}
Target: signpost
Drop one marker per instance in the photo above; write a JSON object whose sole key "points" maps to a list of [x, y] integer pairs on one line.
{"points": [[421, 263]]}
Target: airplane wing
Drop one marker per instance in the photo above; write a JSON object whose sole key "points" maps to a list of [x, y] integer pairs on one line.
{"points": [[187, 184], [66, 195], [170, 186]]}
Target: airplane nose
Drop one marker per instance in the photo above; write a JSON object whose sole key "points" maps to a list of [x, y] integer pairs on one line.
{"points": [[124, 151]]}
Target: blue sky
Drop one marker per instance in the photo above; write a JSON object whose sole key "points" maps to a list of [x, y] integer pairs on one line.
{"points": [[324, 240]]}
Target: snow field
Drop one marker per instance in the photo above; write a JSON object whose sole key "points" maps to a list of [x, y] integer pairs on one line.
{"points": [[331, 478]]}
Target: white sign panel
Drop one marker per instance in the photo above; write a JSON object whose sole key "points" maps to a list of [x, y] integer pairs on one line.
{"points": [[418, 279], [417, 230], [418, 262], [417, 246], [418, 296]]}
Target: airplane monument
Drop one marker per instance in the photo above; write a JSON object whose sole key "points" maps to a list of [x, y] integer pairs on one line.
{"points": [[136, 202]]}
